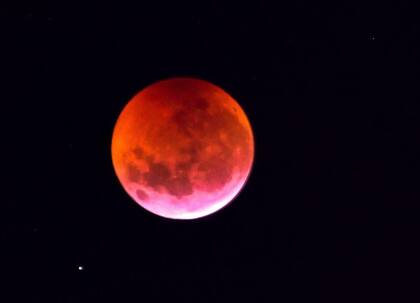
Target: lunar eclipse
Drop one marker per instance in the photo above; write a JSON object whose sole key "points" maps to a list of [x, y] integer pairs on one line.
{"points": [[182, 148]]}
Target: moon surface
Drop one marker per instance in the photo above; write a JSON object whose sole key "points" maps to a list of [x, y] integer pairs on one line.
{"points": [[182, 148]]}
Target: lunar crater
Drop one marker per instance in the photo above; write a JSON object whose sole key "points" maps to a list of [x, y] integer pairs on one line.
{"points": [[142, 195]]}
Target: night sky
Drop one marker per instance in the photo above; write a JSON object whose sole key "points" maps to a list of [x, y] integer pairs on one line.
{"points": [[331, 211]]}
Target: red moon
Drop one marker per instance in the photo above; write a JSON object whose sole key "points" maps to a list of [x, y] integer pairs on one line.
{"points": [[182, 148]]}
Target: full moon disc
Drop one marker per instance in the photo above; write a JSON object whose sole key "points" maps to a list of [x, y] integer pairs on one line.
{"points": [[182, 148]]}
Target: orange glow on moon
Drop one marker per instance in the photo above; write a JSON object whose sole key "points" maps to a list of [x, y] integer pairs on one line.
{"points": [[182, 148]]}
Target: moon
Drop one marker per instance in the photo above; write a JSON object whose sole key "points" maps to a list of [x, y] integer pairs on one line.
{"points": [[182, 148]]}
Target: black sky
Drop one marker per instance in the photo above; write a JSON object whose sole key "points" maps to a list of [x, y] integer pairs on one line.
{"points": [[331, 210]]}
